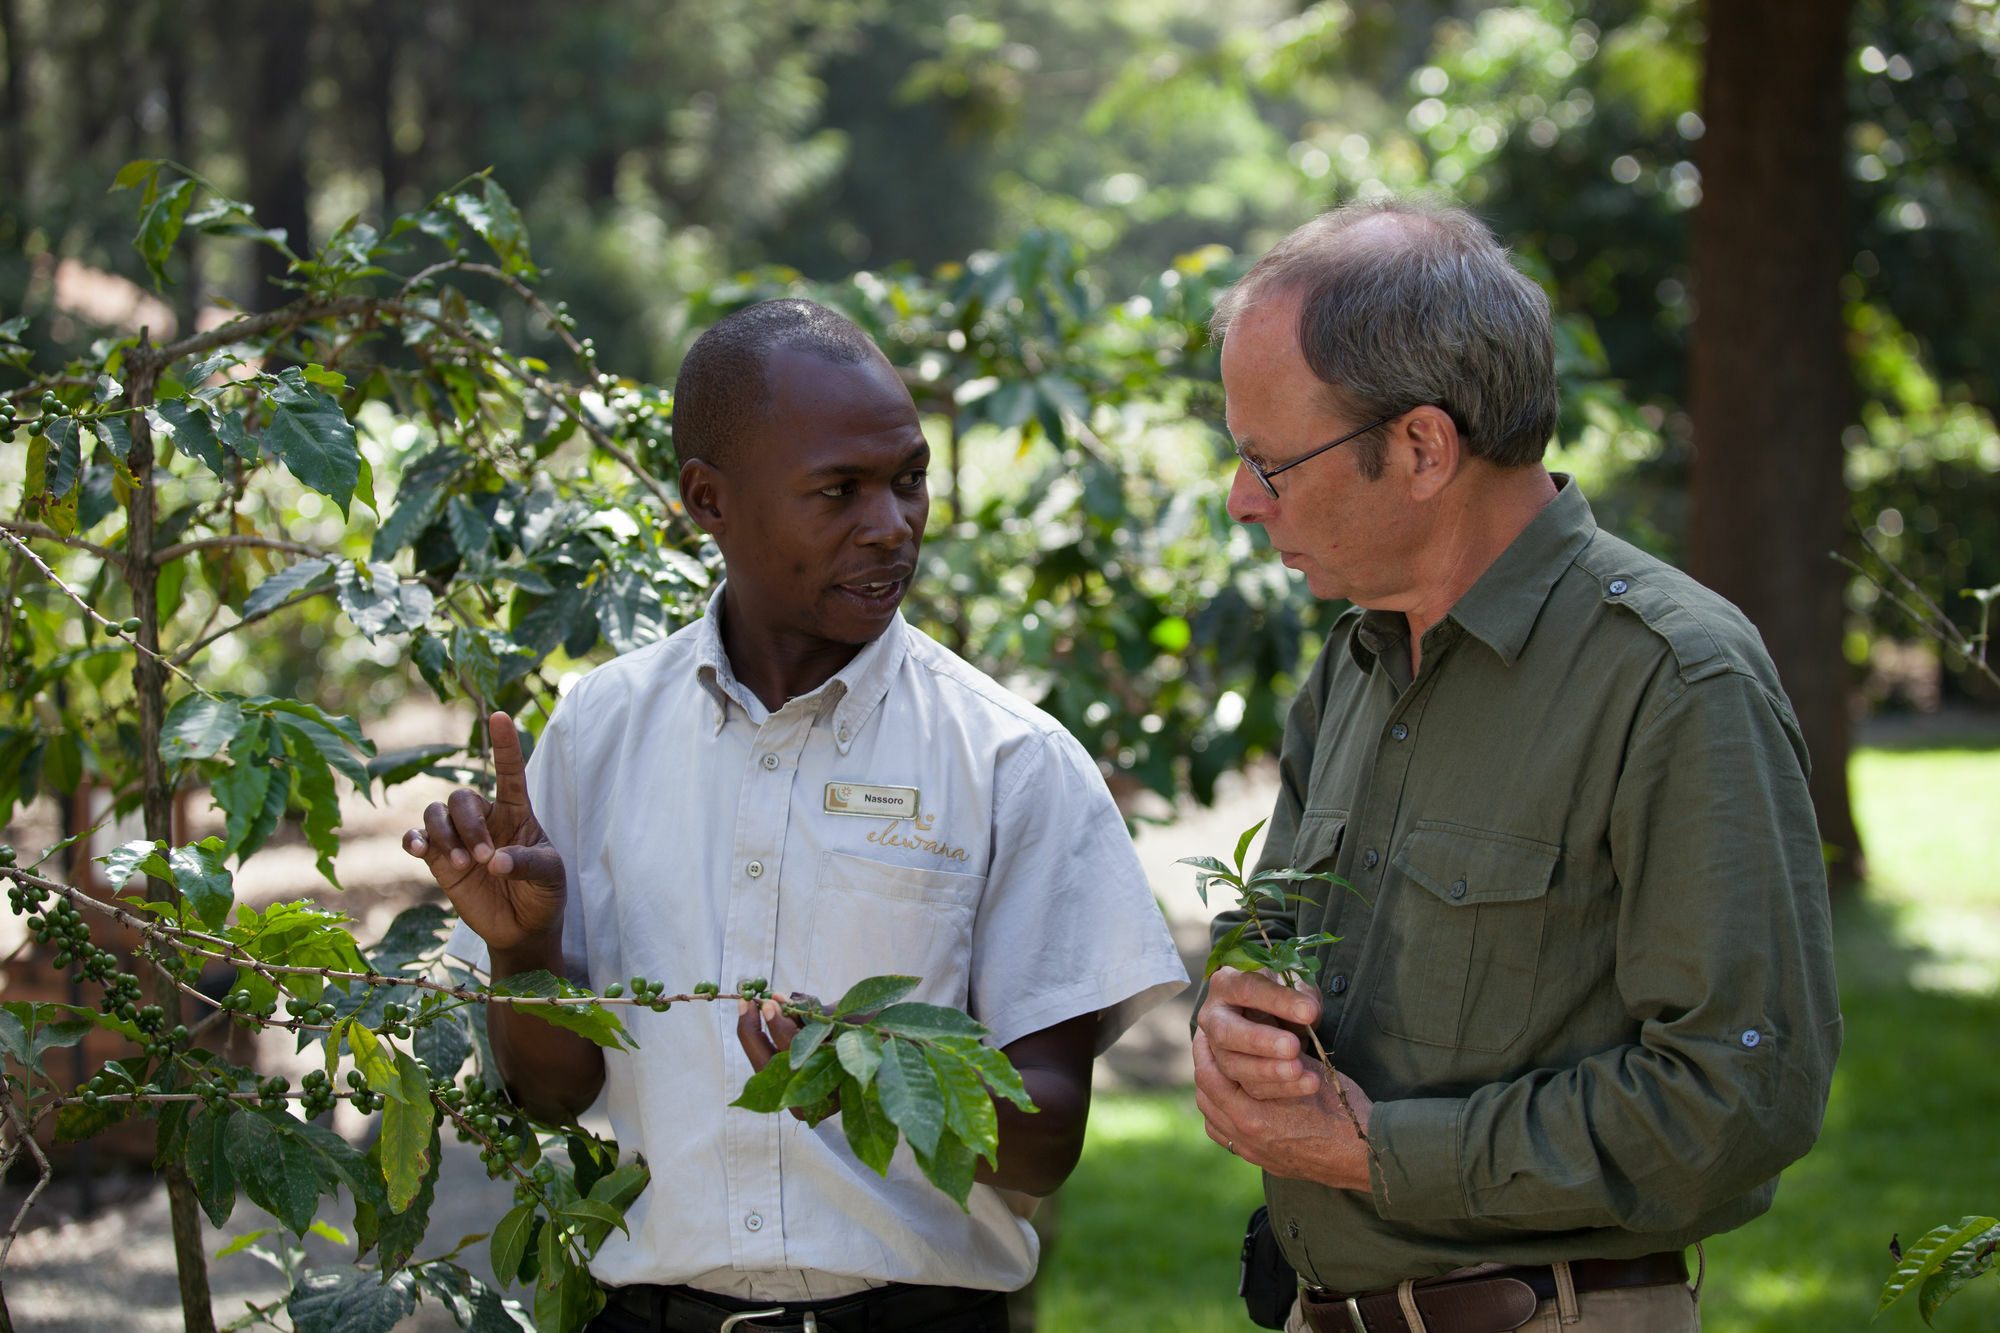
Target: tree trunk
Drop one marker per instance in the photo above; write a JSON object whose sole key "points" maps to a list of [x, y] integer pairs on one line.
{"points": [[275, 140], [149, 683], [1768, 374], [13, 105]]}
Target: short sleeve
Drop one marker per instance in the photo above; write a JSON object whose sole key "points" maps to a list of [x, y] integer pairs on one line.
{"points": [[1068, 924], [553, 796]]}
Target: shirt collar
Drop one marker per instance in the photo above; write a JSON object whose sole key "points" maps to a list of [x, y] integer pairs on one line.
{"points": [[846, 700], [1500, 609]]}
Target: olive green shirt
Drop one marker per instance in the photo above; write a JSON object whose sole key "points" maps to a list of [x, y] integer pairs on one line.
{"points": [[1586, 972]]}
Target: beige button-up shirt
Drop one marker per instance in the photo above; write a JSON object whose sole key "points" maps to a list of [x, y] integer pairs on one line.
{"points": [[704, 840]]}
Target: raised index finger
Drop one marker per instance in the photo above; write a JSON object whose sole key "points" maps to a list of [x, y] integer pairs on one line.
{"points": [[510, 770]]}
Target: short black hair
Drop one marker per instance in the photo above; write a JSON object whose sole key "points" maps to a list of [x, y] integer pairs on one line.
{"points": [[722, 388]]}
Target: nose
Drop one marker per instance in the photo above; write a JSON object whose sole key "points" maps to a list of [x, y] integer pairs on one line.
{"points": [[892, 520], [1248, 501]]}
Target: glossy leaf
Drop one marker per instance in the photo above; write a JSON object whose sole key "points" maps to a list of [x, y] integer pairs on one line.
{"points": [[313, 437], [969, 1111], [950, 1167], [867, 1127], [199, 874], [350, 1300], [198, 726], [1962, 1265], [911, 1019], [874, 993], [764, 1090], [860, 1054], [911, 1095], [594, 1021], [188, 425], [207, 1164], [294, 578], [276, 1175], [1930, 1254]]}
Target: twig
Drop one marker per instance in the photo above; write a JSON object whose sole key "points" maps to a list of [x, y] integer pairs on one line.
{"points": [[1339, 1088], [26, 1130], [91, 611], [187, 653], [179, 549], [42, 532]]}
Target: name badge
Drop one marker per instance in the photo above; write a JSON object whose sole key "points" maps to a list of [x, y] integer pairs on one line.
{"points": [[856, 798]]}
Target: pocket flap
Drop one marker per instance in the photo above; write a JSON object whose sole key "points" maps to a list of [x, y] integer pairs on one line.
{"points": [[1464, 866], [1318, 840]]}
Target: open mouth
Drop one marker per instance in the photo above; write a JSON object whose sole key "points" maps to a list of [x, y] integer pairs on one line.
{"points": [[875, 595]]}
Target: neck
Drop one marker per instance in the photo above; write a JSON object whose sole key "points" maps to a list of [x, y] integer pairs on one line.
{"points": [[777, 665], [1480, 518]]}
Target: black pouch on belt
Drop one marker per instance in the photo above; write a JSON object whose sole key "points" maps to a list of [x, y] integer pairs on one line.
{"points": [[1267, 1284]]}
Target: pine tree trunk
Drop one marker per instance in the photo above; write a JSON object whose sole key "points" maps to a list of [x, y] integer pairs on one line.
{"points": [[1768, 376]]}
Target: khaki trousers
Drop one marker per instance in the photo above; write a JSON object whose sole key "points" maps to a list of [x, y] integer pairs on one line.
{"points": [[1664, 1309]]}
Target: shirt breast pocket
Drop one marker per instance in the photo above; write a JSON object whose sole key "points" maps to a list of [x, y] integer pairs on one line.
{"points": [[1466, 909], [876, 918]]}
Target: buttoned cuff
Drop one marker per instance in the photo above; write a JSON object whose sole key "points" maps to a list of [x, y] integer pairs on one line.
{"points": [[1416, 1171]]}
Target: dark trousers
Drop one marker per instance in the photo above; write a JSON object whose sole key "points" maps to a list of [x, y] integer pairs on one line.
{"points": [[980, 1312]]}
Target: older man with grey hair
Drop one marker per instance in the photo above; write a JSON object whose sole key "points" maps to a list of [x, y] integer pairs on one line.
{"points": [[1582, 1004]]}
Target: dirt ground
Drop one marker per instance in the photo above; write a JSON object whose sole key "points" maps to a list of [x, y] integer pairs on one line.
{"points": [[97, 1255]]}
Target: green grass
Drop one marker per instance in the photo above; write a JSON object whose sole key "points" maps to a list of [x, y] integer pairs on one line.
{"points": [[1148, 1228]]}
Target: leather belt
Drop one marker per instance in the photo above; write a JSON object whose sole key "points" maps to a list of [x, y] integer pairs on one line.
{"points": [[892, 1309], [1491, 1302]]}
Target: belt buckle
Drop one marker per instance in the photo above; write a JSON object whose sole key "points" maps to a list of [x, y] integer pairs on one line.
{"points": [[1354, 1316], [811, 1324]]}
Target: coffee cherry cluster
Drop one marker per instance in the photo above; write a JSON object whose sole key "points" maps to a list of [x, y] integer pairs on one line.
{"points": [[7, 417], [364, 1101], [320, 1094], [486, 1117], [395, 1020], [754, 988], [307, 1012], [647, 993]]}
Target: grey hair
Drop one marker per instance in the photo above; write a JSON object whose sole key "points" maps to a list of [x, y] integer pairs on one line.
{"points": [[1407, 303]]}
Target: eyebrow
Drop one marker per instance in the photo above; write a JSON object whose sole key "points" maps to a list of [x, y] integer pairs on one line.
{"points": [[842, 471]]}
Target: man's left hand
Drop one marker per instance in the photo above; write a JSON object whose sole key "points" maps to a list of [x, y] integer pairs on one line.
{"points": [[1307, 1137], [765, 1029]]}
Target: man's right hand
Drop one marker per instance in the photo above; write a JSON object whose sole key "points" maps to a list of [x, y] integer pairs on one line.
{"points": [[1255, 1029], [492, 859]]}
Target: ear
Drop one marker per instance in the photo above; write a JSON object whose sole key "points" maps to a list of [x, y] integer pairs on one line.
{"points": [[702, 489], [1434, 451]]}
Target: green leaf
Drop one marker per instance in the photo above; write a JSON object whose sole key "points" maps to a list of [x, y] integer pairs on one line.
{"points": [[591, 1211], [875, 993], [61, 460], [191, 430], [911, 1019], [312, 780], [394, 766], [911, 1095], [337, 1161], [330, 746], [1965, 1263], [493, 217], [407, 1119], [123, 861], [253, 796], [860, 1054], [950, 1168], [572, 1304], [313, 437], [401, 1231], [813, 1081], [351, 1300], [1001, 1078], [621, 1185], [969, 1111], [243, 1242], [207, 1163], [764, 1091], [418, 500], [135, 171], [433, 661], [1243, 843], [1930, 1254], [198, 726], [283, 584], [869, 1132], [76, 1123], [510, 1241], [815, 1031], [160, 226], [276, 1176], [57, 1035], [199, 874], [594, 1021], [443, 1043], [1230, 952], [471, 533], [375, 1062]]}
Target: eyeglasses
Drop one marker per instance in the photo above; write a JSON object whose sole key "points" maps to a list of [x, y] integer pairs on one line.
{"points": [[1264, 474]]}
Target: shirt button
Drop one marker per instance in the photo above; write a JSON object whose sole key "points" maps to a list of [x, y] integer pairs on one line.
{"points": [[844, 732], [754, 869], [753, 1223], [1337, 985], [1400, 732], [1369, 858], [770, 761], [1458, 888], [1751, 1036], [1618, 587]]}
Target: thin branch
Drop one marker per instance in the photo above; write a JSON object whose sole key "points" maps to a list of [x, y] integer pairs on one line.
{"points": [[251, 326], [91, 611], [187, 654], [26, 1130], [42, 532], [179, 549]]}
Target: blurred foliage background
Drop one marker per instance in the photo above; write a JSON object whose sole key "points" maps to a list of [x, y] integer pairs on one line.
{"points": [[1030, 203]]}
